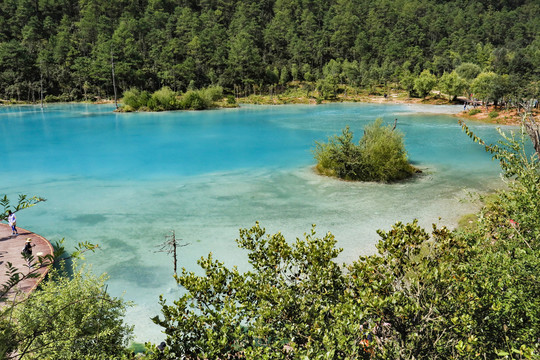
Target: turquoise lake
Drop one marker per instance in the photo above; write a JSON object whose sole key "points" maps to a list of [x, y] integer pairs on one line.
{"points": [[124, 181]]}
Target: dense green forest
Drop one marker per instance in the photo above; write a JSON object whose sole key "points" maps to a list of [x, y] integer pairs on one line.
{"points": [[68, 47]]}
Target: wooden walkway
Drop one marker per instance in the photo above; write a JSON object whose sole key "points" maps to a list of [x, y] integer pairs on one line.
{"points": [[10, 251]]}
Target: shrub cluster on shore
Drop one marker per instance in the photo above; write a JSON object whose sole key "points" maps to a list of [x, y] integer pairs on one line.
{"points": [[167, 99]]}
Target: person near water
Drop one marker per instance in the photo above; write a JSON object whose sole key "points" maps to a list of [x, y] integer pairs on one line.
{"points": [[12, 220], [27, 251]]}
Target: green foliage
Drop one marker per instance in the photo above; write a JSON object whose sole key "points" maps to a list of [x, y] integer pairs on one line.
{"points": [[306, 72], [289, 303], [468, 71], [439, 295], [519, 164], [231, 100], [23, 202], [339, 157], [70, 318], [483, 86], [294, 72], [474, 111], [508, 270], [284, 76], [327, 88], [135, 98], [55, 99], [452, 85], [424, 83], [379, 156], [187, 45], [163, 99], [61, 320], [194, 100], [383, 153], [166, 99], [407, 82], [212, 93], [493, 114]]}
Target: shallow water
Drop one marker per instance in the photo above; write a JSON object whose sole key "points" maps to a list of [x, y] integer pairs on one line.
{"points": [[125, 180]]}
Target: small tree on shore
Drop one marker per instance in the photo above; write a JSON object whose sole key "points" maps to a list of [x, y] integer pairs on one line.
{"points": [[424, 83], [483, 86], [452, 85]]}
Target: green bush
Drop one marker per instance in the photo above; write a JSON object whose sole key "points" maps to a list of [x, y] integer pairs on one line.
{"points": [[127, 108], [493, 114], [71, 317], [163, 99], [231, 100], [55, 98], [192, 100], [51, 99], [327, 88], [383, 154], [212, 93], [134, 99], [475, 111], [166, 99], [379, 156]]}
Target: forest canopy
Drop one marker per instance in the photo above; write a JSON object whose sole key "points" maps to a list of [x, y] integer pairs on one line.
{"points": [[68, 47]]}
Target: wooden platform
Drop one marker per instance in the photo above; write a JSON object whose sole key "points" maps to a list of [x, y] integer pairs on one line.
{"points": [[10, 251]]}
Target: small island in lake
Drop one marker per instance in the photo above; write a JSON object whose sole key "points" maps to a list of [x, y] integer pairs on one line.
{"points": [[166, 99], [379, 156]]}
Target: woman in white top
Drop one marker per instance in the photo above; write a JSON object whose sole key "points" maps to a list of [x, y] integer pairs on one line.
{"points": [[12, 220]]}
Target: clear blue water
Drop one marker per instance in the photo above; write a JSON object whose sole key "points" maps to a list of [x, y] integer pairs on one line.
{"points": [[125, 180]]}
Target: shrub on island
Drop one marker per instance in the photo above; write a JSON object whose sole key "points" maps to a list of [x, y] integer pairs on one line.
{"points": [[135, 99], [167, 99], [379, 156], [192, 100], [162, 100]]}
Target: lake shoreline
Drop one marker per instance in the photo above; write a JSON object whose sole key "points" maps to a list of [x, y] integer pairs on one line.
{"points": [[504, 117]]}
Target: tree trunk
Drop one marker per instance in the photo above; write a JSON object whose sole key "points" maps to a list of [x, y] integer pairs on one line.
{"points": [[113, 80]]}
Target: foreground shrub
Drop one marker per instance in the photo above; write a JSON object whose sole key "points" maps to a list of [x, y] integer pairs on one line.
{"points": [[70, 317], [380, 155], [423, 295]]}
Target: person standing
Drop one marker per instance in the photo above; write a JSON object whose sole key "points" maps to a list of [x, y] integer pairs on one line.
{"points": [[12, 220]]}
